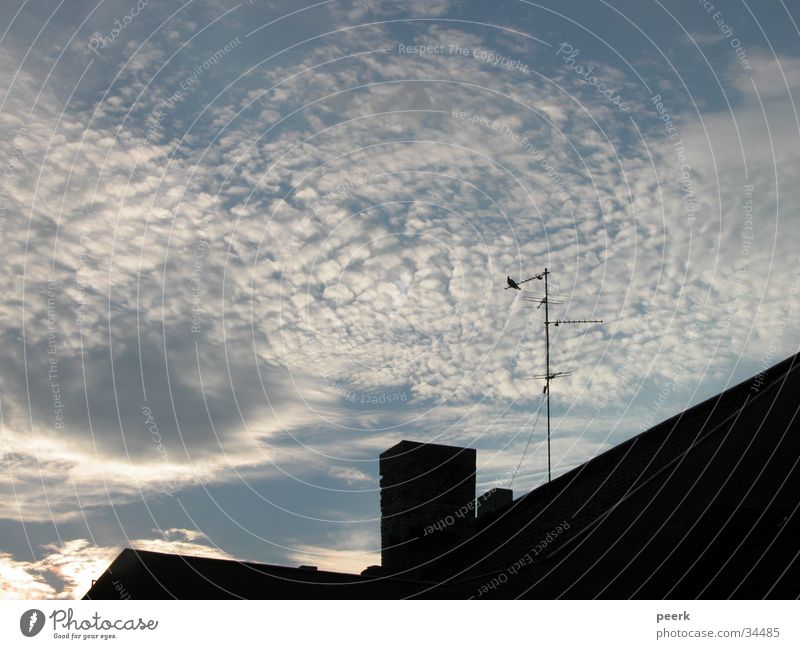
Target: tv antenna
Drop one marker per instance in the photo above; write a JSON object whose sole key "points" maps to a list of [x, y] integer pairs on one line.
{"points": [[548, 375]]}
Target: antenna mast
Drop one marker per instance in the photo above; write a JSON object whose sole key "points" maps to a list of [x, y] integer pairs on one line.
{"points": [[548, 375]]}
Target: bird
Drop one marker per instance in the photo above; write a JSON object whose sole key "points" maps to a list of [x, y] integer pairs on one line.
{"points": [[512, 284]]}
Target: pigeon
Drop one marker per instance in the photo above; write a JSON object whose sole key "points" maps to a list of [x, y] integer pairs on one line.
{"points": [[512, 284]]}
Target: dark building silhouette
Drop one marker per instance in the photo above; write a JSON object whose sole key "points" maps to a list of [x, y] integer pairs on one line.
{"points": [[703, 505], [493, 499], [427, 501]]}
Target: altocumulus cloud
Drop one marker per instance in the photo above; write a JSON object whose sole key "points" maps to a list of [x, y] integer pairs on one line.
{"points": [[301, 262]]}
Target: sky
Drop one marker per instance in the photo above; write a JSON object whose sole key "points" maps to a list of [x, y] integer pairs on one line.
{"points": [[249, 246]]}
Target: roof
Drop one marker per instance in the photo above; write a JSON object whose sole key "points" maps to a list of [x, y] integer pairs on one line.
{"points": [[157, 575], [675, 511], [406, 450], [704, 504]]}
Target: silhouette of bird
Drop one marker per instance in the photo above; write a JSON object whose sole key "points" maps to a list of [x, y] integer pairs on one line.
{"points": [[512, 284]]}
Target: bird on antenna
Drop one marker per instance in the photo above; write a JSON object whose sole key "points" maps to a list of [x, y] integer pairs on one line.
{"points": [[516, 285], [512, 283]]}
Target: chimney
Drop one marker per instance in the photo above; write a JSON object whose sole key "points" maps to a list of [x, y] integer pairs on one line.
{"points": [[493, 500], [427, 502]]}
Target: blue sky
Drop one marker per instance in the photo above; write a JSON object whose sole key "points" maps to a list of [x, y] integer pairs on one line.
{"points": [[250, 246]]}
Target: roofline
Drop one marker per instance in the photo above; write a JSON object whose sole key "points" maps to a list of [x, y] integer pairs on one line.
{"points": [[773, 375]]}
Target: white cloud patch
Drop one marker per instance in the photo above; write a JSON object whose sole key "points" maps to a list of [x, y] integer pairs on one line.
{"points": [[349, 475], [350, 552], [67, 571]]}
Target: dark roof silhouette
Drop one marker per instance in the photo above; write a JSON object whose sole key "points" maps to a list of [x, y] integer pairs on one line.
{"points": [[703, 505], [156, 575]]}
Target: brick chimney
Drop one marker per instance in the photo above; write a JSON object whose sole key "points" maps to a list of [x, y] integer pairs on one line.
{"points": [[493, 500], [427, 503]]}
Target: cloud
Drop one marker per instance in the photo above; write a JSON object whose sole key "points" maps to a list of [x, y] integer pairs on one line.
{"points": [[303, 262], [706, 39], [189, 325], [349, 552], [67, 571], [350, 475], [20, 580]]}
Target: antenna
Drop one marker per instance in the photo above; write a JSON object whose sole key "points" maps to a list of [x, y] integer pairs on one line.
{"points": [[548, 375]]}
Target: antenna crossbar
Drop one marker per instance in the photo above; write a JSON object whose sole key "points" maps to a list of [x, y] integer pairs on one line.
{"points": [[560, 322]]}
